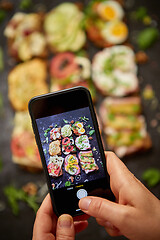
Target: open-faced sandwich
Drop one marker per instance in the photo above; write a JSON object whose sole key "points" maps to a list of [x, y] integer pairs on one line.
{"points": [[71, 165], [82, 142], [124, 126], [55, 166], [25, 81], [63, 26], [55, 134], [87, 161], [25, 37], [105, 23], [55, 148], [69, 70], [78, 128], [66, 131], [114, 71], [68, 145], [23, 145]]}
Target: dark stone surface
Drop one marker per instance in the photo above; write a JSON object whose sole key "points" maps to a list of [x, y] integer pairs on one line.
{"points": [[20, 227]]}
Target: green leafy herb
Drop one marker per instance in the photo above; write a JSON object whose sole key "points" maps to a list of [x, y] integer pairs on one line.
{"points": [[47, 130], [2, 15], [1, 164], [88, 126], [14, 195], [25, 4], [55, 125], [45, 151], [111, 116], [140, 13], [45, 134], [67, 184], [1, 60], [147, 37], [84, 118], [65, 121], [91, 132], [151, 176], [47, 140], [132, 118], [81, 53]]}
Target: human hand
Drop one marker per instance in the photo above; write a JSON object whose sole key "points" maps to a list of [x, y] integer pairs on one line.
{"points": [[136, 212], [48, 227]]}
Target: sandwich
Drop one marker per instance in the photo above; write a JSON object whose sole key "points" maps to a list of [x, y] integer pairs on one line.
{"points": [[55, 166], [87, 161], [71, 165]]}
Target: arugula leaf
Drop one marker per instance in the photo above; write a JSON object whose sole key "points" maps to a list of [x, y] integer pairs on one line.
{"points": [[25, 4], [147, 37], [67, 184], [14, 195], [151, 176]]}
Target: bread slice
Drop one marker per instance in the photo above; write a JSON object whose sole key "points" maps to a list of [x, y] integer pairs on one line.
{"points": [[25, 81], [55, 166], [87, 161], [55, 134], [71, 164], [82, 142], [54, 148], [25, 37], [124, 126]]}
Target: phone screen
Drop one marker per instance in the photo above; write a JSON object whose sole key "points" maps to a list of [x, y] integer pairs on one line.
{"points": [[72, 153]]}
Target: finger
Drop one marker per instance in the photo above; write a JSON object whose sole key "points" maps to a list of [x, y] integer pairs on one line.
{"points": [[80, 226], [43, 229], [105, 209], [120, 176], [110, 228], [65, 228]]}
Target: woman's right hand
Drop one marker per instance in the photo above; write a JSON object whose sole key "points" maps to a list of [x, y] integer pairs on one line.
{"points": [[136, 212]]}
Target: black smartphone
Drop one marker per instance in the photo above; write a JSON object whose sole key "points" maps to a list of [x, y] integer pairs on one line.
{"points": [[70, 146]]}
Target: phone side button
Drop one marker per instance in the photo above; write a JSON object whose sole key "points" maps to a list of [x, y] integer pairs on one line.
{"points": [[81, 193]]}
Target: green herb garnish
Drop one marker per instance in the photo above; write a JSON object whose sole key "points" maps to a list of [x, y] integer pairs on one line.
{"points": [[147, 37], [2, 15], [25, 4], [15, 195], [140, 13], [45, 134], [91, 132], [151, 176], [65, 121], [55, 125], [47, 130], [111, 116], [84, 118]]}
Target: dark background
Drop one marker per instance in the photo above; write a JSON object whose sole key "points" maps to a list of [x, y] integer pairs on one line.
{"points": [[20, 227]]}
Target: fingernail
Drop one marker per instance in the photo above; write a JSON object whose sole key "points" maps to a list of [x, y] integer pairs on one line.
{"points": [[84, 203], [65, 221]]}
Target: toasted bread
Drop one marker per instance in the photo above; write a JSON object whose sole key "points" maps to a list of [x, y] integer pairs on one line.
{"points": [[25, 81]]}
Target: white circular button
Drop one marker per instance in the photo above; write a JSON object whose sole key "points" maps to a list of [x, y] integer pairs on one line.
{"points": [[81, 193]]}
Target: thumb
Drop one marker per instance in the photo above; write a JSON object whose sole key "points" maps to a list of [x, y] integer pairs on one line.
{"points": [[105, 210], [65, 228]]}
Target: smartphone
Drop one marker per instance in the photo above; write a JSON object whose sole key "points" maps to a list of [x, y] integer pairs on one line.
{"points": [[70, 146]]}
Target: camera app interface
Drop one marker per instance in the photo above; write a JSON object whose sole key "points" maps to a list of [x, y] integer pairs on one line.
{"points": [[70, 148]]}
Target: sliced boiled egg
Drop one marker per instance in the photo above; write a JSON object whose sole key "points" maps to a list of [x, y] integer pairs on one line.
{"points": [[81, 130], [80, 125], [110, 10], [115, 32]]}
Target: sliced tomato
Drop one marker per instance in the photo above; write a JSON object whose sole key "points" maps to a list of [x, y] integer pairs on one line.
{"points": [[16, 147], [63, 65], [24, 145]]}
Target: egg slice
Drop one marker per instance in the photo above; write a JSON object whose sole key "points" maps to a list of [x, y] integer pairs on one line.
{"points": [[110, 10], [81, 130], [80, 125], [115, 32]]}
